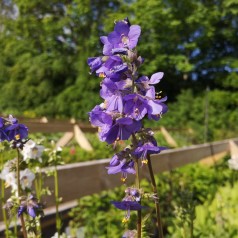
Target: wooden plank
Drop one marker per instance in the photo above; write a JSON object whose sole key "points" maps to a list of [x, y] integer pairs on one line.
{"points": [[81, 139], [65, 139], [169, 139], [233, 149]]}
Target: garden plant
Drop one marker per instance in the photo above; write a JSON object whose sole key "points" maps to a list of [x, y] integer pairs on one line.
{"points": [[128, 99]]}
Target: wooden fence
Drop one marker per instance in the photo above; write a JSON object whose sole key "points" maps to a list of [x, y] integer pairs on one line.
{"points": [[85, 178], [75, 129]]}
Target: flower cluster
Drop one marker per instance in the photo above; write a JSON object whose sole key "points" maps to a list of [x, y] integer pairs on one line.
{"points": [[11, 130], [128, 99], [9, 174]]}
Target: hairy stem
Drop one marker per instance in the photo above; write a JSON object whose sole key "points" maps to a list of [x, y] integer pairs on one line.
{"points": [[157, 206]]}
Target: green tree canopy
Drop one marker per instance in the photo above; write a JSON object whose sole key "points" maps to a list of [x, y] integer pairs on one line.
{"points": [[45, 45]]}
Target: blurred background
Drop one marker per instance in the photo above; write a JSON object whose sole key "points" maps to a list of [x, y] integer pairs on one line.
{"points": [[44, 48]]}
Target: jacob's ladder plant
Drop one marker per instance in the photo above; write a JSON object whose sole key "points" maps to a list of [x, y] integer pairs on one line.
{"points": [[128, 99]]}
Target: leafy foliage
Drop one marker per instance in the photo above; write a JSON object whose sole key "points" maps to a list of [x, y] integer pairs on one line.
{"points": [[199, 185]]}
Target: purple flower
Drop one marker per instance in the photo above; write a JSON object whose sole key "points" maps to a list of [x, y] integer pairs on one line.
{"points": [[16, 132], [101, 119], [157, 108], [135, 106], [122, 129], [112, 92], [144, 83], [127, 206], [11, 130], [113, 68], [3, 135], [123, 36], [119, 164], [30, 206], [147, 148], [95, 63]]}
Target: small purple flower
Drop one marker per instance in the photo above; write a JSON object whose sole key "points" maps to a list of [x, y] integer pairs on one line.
{"points": [[30, 206], [98, 117], [144, 84], [11, 130], [127, 206], [3, 135], [157, 108], [145, 149], [121, 166], [16, 132], [112, 93], [123, 36], [95, 63], [122, 129], [135, 106], [113, 68]]}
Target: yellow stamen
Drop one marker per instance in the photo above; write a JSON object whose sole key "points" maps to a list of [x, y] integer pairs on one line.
{"points": [[125, 220], [123, 180], [17, 137], [145, 161], [102, 75]]}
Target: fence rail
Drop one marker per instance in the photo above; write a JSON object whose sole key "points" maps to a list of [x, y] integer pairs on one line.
{"points": [[85, 178]]}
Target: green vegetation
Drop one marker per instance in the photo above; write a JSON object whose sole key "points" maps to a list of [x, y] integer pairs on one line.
{"points": [[207, 195], [45, 45]]}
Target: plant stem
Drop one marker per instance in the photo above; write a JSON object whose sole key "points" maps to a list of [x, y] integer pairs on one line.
{"points": [[38, 187], [3, 209], [19, 193], [137, 182], [58, 221], [157, 207]]}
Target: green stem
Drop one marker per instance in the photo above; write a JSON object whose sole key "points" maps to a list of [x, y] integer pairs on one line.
{"points": [[58, 221], [157, 206], [3, 209], [19, 193], [38, 187], [137, 182]]}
